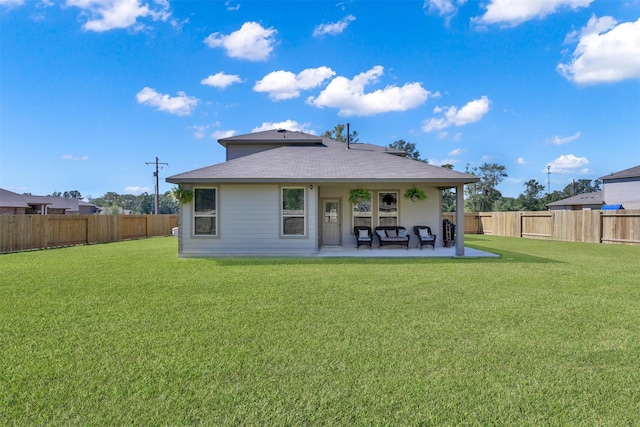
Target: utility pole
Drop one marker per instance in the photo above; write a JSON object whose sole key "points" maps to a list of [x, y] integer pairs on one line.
{"points": [[548, 179], [157, 195]]}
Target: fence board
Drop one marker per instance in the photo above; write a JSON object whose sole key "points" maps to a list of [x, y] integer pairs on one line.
{"points": [[28, 232]]}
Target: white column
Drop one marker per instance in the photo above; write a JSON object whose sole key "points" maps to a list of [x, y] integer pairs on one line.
{"points": [[460, 220]]}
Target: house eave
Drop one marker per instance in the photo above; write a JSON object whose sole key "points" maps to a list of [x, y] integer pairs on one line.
{"points": [[448, 183]]}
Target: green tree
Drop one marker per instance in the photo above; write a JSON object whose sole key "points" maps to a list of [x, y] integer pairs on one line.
{"points": [[483, 194], [532, 198], [408, 147], [448, 195], [581, 186], [168, 203], [338, 133]]}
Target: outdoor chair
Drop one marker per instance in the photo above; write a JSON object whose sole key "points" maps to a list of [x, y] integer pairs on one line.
{"points": [[363, 236], [424, 236]]}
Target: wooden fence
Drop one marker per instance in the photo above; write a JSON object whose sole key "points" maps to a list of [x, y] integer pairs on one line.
{"points": [[27, 232], [589, 226]]}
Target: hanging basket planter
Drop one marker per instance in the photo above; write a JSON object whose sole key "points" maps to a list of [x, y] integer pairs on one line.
{"points": [[415, 194], [357, 195], [182, 195]]}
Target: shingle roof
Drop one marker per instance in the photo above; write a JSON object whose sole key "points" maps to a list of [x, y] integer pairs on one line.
{"points": [[633, 172], [329, 162], [594, 198]]}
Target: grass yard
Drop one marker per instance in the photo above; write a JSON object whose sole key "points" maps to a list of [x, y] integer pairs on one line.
{"points": [[128, 334]]}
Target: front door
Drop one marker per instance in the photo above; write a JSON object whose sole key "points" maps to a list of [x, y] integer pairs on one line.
{"points": [[331, 222]]}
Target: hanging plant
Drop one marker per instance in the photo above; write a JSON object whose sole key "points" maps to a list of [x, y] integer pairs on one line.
{"points": [[181, 194], [414, 193], [359, 194]]}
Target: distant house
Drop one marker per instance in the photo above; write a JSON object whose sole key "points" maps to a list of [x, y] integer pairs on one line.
{"points": [[287, 193], [585, 201], [622, 188], [19, 204]]}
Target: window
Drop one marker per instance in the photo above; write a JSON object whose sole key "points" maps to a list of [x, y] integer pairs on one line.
{"points": [[205, 216], [388, 208], [293, 212], [362, 213]]}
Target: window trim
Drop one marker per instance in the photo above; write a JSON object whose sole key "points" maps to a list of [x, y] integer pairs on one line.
{"points": [[304, 215], [397, 213], [194, 215], [370, 216]]}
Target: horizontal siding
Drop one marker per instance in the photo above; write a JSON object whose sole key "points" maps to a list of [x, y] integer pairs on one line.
{"points": [[625, 193]]}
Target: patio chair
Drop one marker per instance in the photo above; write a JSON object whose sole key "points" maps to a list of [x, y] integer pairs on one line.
{"points": [[363, 236], [424, 236]]}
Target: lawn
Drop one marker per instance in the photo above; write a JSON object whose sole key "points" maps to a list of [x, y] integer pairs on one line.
{"points": [[129, 334]]}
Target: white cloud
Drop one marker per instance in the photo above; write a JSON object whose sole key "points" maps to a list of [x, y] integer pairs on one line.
{"points": [[230, 7], [11, 3], [606, 52], [515, 12], [104, 15], [334, 28], [560, 140], [457, 152], [133, 189], [568, 164], [221, 80], [446, 8], [199, 131], [285, 84], [522, 161], [219, 134], [251, 42], [349, 95], [74, 158], [287, 124], [181, 105], [469, 113]]}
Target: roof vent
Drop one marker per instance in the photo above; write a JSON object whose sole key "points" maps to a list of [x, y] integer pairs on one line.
{"points": [[283, 132]]}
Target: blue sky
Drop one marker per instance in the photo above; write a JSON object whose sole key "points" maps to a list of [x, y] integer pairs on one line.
{"points": [[92, 90]]}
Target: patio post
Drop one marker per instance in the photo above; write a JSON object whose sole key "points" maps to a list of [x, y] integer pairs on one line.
{"points": [[460, 220]]}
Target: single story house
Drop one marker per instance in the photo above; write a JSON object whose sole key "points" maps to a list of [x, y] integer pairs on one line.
{"points": [[584, 201], [284, 192], [622, 188], [20, 204]]}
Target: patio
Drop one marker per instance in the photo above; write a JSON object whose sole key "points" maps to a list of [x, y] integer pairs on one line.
{"points": [[396, 252]]}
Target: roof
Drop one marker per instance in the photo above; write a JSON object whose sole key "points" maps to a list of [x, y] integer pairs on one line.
{"points": [[633, 172], [594, 198], [329, 161], [9, 199]]}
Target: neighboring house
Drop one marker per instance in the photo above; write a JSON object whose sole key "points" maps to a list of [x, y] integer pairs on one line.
{"points": [[287, 193], [585, 201], [20, 204], [622, 188]]}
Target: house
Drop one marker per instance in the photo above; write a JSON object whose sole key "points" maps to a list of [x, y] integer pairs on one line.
{"points": [[584, 201], [622, 188], [19, 204], [285, 192]]}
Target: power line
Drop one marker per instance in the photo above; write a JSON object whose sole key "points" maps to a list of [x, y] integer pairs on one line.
{"points": [[155, 174]]}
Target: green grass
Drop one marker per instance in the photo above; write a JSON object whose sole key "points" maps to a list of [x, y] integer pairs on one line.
{"points": [[129, 334]]}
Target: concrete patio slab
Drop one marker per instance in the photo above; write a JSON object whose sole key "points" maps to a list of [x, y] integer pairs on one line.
{"points": [[393, 252]]}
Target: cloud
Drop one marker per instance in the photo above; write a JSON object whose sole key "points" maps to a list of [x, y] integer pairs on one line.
{"points": [[287, 124], [133, 189], [445, 8], [11, 3], [251, 42], [568, 164], [457, 152], [74, 158], [452, 116], [350, 98], [181, 105], [221, 80], [285, 85], [522, 161], [605, 53], [199, 131], [230, 7], [219, 134], [515, 12], [334, 28], [104, 15], [560, 140]]}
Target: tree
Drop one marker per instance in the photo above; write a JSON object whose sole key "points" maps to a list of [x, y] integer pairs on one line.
{"points": [[532, 198], [581, 186], [448, 196], [482, 195], [408, 147], [338, 134]]}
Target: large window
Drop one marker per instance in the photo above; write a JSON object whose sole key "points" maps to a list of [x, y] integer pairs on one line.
{"points": [[362, 213], [293, 212], [205, 217], [388, 208]]}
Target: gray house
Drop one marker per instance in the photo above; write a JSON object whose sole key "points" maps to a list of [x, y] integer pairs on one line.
{"points": [[622, 188], [585, 201], [287, 193], [19, 204]]}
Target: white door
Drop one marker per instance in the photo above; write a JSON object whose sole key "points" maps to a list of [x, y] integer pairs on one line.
{"points": [[331, 222]]}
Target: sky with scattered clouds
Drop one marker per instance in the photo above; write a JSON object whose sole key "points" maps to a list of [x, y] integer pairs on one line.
{"points": [[92, 91]]}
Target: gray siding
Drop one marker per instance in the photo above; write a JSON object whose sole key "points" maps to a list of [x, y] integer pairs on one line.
{"points": [[625, 192]]}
